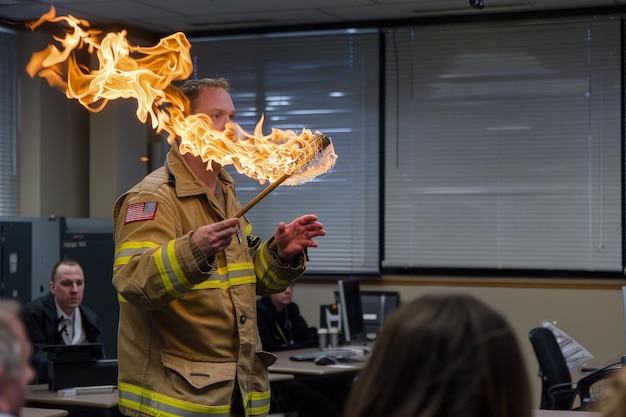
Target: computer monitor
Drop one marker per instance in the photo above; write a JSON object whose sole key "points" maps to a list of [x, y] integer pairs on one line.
{"points": [[71, 366], [377, 305], [74, 353], [353, 326]]}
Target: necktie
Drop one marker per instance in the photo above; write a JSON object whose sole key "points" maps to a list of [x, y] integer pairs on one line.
{"points": [[68, 331]]}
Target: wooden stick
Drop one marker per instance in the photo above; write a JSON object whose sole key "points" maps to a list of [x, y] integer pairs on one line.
{"points": [[261, 195]]}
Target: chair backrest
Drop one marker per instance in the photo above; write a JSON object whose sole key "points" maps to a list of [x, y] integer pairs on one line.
{"points": [[590, 388], [553, 368]]}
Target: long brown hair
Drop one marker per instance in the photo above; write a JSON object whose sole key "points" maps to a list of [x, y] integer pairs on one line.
{"points": [[443, 355]]}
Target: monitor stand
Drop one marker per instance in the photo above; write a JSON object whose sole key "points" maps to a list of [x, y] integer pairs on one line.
{"points": [[359, 342]]}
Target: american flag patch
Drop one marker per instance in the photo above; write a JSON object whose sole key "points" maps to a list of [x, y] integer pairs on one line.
{"points": [[140, 211]]}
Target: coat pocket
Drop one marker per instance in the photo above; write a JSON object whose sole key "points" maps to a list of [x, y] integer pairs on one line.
{"points": [[200, 374]]}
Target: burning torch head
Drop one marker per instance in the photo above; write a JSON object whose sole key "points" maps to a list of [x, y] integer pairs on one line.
{"points": [[322, 160]]}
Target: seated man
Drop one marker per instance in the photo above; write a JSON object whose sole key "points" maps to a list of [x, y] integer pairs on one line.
{"points": [[281, 327], [280, 324], [58, 317]]}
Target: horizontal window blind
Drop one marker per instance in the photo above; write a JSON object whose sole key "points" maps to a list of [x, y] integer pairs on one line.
{"points": [[503, 146], [323, 81], [9, 191]]}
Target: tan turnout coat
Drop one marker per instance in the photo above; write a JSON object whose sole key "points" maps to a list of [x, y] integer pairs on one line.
{"points": [[187, 334]]}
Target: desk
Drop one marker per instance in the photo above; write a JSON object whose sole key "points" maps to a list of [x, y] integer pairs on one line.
{"points": [[280, 377], [105, 405], [322, 383], [39, 396], [559, 413], [595, 365], [42, 412], [284, 365]]}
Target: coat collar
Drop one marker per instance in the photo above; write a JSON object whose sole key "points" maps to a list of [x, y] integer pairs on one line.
{"points": [[187, 183]]}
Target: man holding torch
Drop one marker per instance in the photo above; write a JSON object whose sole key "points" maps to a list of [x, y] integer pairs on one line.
{"points": [[187, 272]]}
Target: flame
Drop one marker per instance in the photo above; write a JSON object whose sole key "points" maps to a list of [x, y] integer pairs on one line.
{"points": [[148, 79]]}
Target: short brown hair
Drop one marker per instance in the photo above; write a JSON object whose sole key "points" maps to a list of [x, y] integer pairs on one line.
{"points": [[192, 88], [59, 263]]}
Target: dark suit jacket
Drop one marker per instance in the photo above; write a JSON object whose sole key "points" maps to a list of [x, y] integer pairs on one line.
{"points": [[41, 321]]}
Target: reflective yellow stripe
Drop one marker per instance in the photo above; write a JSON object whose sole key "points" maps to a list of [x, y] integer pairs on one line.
{"points": [[162, 270], [224, 285], [172, 276], [121, 299], [125, 251], [171, 256], [250, 279], [260, 263], [170, 271], [258, 403], [264, 273], [225, 277], [211, 284], [155, 404]]}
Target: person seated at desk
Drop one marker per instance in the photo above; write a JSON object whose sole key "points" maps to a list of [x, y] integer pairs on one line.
{"points": [[59, 316], [281, 326], [15, 370], [443, 355]]}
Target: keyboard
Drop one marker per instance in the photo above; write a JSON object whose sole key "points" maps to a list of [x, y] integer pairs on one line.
{"points": [[339, 354]]}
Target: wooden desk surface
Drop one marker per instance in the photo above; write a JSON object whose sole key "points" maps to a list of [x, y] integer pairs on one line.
{"points": [[42, 412], [276, 377], [558, 413], [284, 365], [40, 394]]}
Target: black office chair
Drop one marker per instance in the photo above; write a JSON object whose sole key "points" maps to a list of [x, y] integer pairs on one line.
{"points": [[589, 388], [558, 391]]}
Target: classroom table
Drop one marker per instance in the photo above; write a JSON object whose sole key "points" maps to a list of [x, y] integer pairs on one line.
{"points": [[596, 364], [559, 413], [333, 381], [42, 412], [104, 405], [284, 365], [276, 377]]}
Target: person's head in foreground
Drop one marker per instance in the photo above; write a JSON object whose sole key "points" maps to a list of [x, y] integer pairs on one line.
{"points": [[15, 350], [443, 355]]}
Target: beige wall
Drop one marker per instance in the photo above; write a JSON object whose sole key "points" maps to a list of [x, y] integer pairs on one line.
{"points": [[72, 162], [588, 310]]}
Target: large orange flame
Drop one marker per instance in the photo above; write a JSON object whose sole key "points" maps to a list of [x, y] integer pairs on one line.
{"points": [[148, 79]]}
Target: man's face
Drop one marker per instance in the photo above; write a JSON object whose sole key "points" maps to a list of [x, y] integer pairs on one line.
{"points": [[217, 104], [282, 299], [68, 287], [14, 383]]}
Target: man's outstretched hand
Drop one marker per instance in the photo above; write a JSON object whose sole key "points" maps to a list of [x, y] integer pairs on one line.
{"points": [[291, 239]]}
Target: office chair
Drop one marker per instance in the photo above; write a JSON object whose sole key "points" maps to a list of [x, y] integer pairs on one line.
{"points": [[558, 391], [590, 387]]}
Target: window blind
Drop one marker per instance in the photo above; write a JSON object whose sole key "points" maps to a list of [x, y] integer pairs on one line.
{"points": [[503, 145], [323, 81], [9, 202]]}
